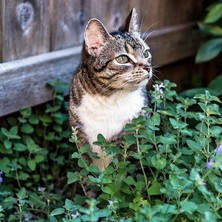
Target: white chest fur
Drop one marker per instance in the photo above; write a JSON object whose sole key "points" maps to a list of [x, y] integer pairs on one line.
{"points": [[108, 115]]}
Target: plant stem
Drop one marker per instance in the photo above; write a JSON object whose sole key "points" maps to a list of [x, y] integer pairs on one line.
{"points": [[17, 178], [141, 163]]}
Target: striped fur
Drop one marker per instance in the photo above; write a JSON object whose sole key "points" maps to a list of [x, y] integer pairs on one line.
{"points": [[107, 89]]}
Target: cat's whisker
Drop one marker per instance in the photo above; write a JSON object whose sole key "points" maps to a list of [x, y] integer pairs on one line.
{"points": [[149, 34], [141, 23], [151, 26]]}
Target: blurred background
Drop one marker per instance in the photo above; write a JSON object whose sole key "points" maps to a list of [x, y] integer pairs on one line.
{"points": [[41, 41]]}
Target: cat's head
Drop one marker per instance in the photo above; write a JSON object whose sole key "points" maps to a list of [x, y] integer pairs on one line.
{"points": [[120, 60]]}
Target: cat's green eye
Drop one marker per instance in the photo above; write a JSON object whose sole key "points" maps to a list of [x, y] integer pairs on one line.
{"points": [[122, 59], [146, 53]]}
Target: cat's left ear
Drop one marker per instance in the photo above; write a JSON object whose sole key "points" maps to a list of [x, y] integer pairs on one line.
{"points": [[95, 36], [131, 23]]}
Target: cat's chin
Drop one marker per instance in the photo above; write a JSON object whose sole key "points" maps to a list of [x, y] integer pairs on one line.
{"points": [[144, 82], [137, 85]]}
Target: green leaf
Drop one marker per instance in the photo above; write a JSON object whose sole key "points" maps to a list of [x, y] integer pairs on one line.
{"points": [[214, 14], [13, 133], [69, 205], [27, 128], [81, 163], [103, 213], [22, 120], [107, 190], [193, 145], [209, 50], [5, 132], [72, 177], [191, 93], [214, 30], [92, 168], [33, 120], [35, 199], [101, 139], [23, 176], [19, 147], [154, 189], [75, 155], [26, 112], [216, 84], [155, 119], [45, 119], [189, 206], [22, 193], [32, 164], [57, 211], [158, 163], [5, 165], [7, 144], [39, 158], [57, 128], [129, 180], [209, 216], [174, 123], [84, 149], [194, 175]]}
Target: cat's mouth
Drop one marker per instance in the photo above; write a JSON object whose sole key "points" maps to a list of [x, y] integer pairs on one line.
{"points": [[146, 78]]}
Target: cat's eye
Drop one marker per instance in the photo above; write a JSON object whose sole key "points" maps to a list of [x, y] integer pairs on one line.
{"points": [[149, 60], [122, 59], [146, 53]]}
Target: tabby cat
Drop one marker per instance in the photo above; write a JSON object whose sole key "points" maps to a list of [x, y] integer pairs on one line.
{"points": [[108, 88]]}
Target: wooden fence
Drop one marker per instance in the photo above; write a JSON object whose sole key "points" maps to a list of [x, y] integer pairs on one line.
{"points": [[40, 40]]}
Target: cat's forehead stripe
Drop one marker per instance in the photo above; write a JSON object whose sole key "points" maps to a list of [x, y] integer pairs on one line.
{"points": [[132, 42]]}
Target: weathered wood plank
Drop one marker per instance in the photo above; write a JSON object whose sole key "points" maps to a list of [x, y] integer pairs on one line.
{"points": [[1, 31], [23, 82], [68, 22], [25, 27], [163, 13], [174, 43], [148, 13], [111, 13], [175, 13]]}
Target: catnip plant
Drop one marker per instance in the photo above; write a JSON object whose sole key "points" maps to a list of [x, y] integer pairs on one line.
{"points": [[167, 166]]}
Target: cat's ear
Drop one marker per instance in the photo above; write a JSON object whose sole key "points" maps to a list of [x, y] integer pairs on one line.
{"points": [[131, 23], [95, 36]]}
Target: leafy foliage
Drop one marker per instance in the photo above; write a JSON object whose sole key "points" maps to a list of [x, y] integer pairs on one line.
{"points": [[212, 26], [34, 153], [214, 87], [167, 168]]}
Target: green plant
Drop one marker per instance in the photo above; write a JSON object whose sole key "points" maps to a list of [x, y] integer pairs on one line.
{"points": [[214, 87], [34, 154], [212, 26], [168, 167]]}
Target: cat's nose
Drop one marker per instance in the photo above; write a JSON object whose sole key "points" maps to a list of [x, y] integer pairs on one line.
{"points": [[147, 68]]}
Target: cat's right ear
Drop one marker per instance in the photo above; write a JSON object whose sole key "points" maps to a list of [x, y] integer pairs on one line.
{"points": [[131, 23], [95, 36]]}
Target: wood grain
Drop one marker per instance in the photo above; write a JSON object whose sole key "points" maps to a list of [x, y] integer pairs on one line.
{"points": [[163, 13], [25, 28], [111, 13], [68, 21], [23, 82], [172, 44]]}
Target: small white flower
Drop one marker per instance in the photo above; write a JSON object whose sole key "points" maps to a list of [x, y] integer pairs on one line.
{"points": [[77, 214], [159, 89]]}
